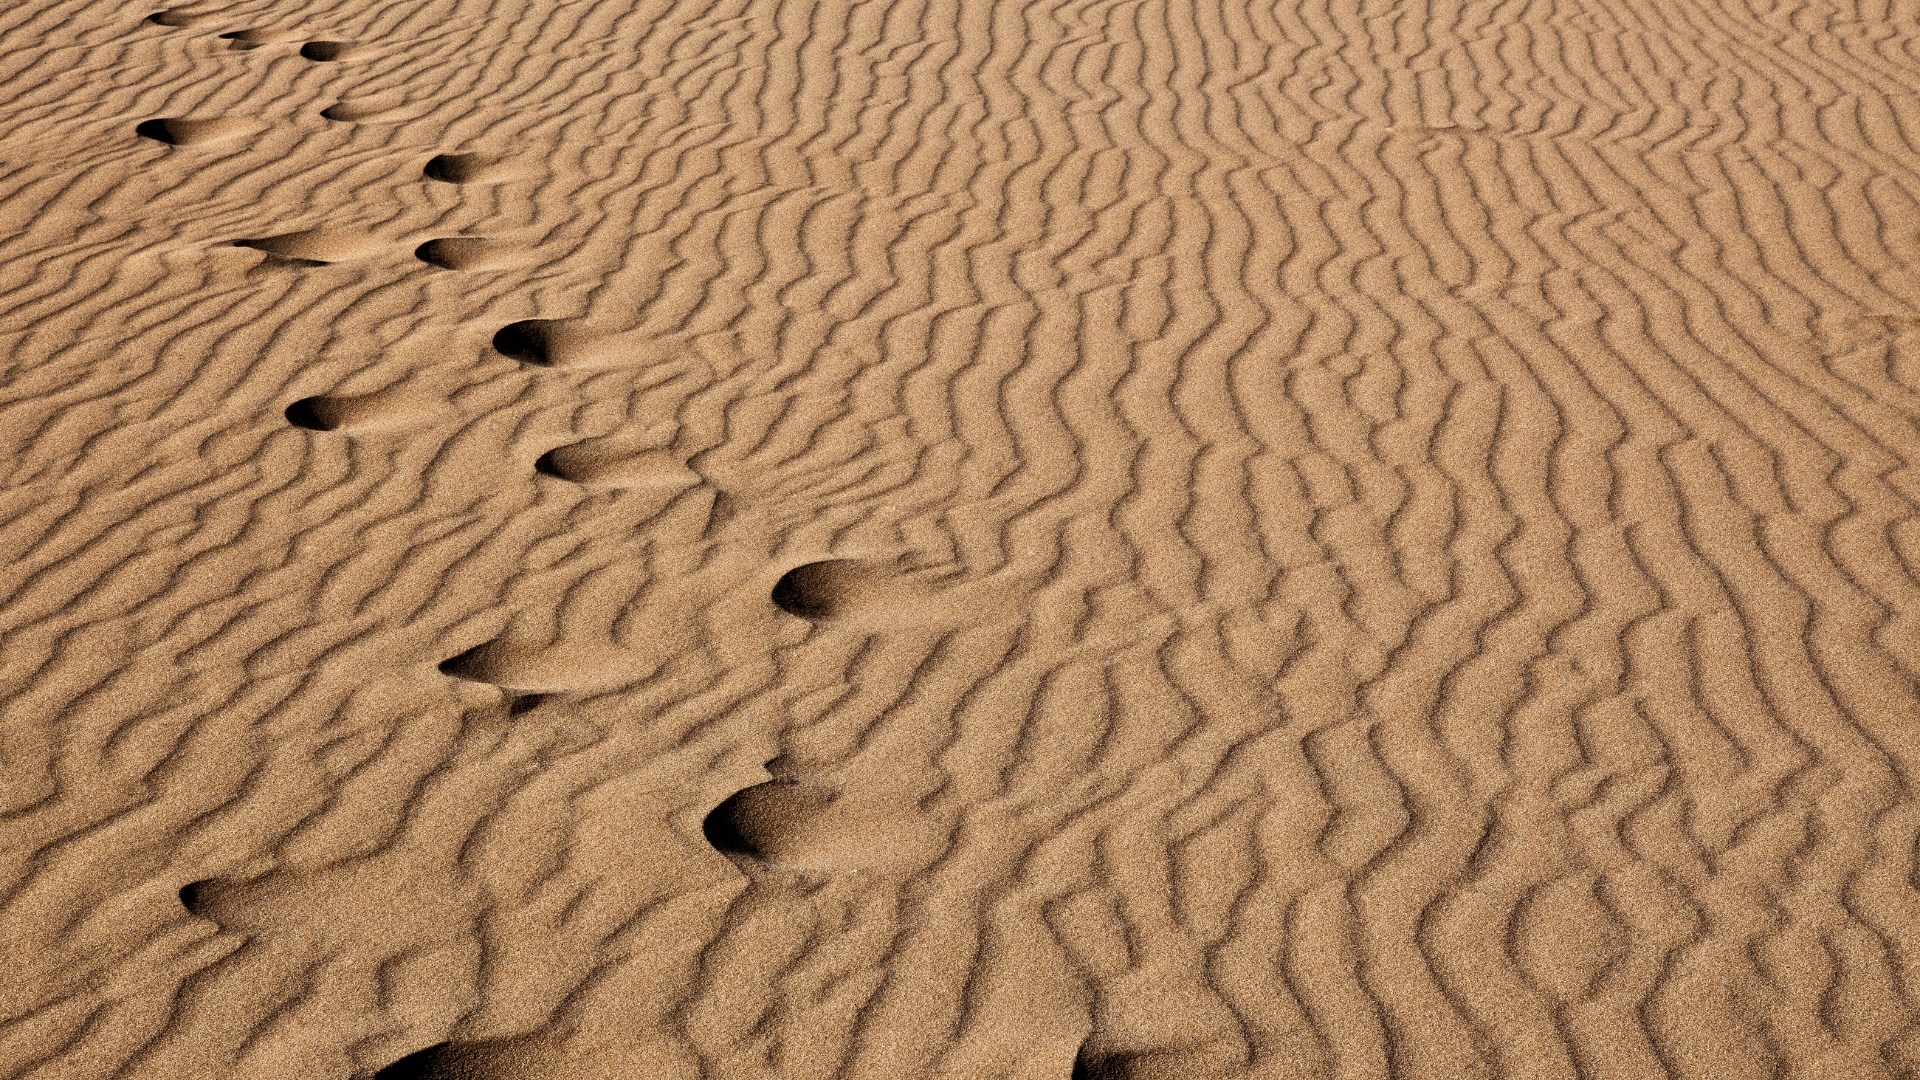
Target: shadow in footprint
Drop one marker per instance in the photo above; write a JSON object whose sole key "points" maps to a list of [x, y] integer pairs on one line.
{"points": [[479, 664], [468, 169], [822, 590], [215, 899], [386, 410], [437, 1062], [601, 465], [722, 829], [465, 253], [1087, 1067], [1194, 1062], [877, 592], [544, 342], [309, 413], [809, 826], [179, 131], [492, 1059], [572, 343], [179, 17], [242, 40], [519, 670], [314, 246], [328, 51], [362, 108], [521, 704], [401, 406], [762, 821]]}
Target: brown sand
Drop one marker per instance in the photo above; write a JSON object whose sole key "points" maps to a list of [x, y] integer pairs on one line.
{"points": [[884, 539]]}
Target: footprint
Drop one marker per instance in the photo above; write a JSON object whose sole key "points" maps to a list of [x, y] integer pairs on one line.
{"points": [[367, 108], [808, 826], [181, 131], [834, 588], [567, 343], [467, 253], [1172, 1063], [754, 822], [181, 17], [484, 663], [522, 671], [329, 51], [243, 40], [385, 410], [571, 343], [436, 1062], [597, 464], [875, 591], [315, 246], [530, 341], [878, 593], [215, 899], [417, 905], [515, 1057], [470, 169], [443, 1061], [522, 704]]}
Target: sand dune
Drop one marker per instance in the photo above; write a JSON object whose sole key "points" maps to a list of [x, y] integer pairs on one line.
{"points": [[960, 539]]}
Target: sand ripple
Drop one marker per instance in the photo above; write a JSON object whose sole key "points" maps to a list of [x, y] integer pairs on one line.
{"points": [[959, 538]]}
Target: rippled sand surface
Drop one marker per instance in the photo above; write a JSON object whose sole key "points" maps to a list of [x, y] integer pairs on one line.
{"points": [[960, 539]]}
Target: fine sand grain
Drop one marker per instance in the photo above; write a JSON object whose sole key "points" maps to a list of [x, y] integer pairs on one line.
{"points": [[960, 540]]}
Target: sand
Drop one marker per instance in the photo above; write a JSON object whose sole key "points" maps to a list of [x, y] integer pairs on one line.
{"points": [[960, 539]]}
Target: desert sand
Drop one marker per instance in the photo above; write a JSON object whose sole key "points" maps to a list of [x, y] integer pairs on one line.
{"points": [[960, 539]]}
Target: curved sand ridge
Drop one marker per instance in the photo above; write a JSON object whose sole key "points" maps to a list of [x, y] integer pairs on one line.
{"points": [[1332, 540]]}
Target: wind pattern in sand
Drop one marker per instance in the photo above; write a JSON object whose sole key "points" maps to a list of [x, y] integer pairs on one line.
{"points": [[960, 538]]}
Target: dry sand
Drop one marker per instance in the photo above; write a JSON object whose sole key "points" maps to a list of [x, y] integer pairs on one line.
{"points": [[964, 539]]}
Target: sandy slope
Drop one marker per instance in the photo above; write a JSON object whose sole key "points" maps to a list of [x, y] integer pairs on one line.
{"points": [[950, 538]]}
